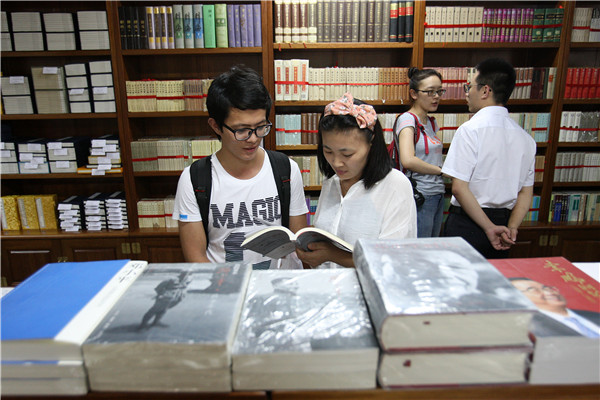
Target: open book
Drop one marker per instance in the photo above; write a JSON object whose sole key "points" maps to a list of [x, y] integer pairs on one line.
{"points": [[279, 241]]}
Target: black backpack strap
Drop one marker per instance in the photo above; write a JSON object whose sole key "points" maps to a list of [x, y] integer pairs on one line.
{"points": [[201, 175], [280, 163]]}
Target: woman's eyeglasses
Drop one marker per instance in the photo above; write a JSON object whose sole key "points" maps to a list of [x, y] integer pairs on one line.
{"points": [[432, 93]]}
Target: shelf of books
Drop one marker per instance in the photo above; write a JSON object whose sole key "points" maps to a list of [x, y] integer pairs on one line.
{"points": [[115, 91]]}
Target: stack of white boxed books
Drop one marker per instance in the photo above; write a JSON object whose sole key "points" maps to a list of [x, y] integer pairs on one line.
{"points": [[104, 156], [16, 95], [68, 153], [78, 86], [70, 214], [93, 30], [60, 32], [116, 211], [50, 90], [95, 212], [103, 90], [32, 157], [27, 31], [8, 157], [5, 36]]}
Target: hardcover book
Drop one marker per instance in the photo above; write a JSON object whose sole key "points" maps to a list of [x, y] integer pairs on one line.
{"points": [[566, 328], [279, 241], [50, 314], [304, 329], [179, 318], [439, 293]]}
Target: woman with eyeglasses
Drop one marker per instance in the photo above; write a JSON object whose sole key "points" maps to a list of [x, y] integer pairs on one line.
{"points": [[421, 150]]}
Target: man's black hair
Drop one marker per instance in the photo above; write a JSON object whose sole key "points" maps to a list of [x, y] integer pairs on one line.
{"points": [[240, 87], [499, 75], [378, 161]]}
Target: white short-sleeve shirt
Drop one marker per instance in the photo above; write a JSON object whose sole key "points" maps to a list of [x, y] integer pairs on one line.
{"points": [[494, 155], [237, 207], [386, 211]]}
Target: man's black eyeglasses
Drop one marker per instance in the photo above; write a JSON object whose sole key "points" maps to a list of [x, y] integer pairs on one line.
{"points": [[245, 133]]}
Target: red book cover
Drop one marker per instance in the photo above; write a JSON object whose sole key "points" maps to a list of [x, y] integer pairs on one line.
{"points": [[569, 83], [557, 287], [574, 88], [594, 88], [587, 80]]}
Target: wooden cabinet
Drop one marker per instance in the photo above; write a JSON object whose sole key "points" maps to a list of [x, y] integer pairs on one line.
{"points": [[21, 258], [159, 249]]}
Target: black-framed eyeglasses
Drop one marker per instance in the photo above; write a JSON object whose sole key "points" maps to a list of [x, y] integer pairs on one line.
{"points": [[432, 93], [468, 86], [245, 133]]}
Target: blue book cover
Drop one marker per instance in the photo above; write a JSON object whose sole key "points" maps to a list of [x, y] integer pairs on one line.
{"points": [[51, 313], [198, 22], [243, 25], [250, 24], [236, 25], [230, 27], [257, 25]]}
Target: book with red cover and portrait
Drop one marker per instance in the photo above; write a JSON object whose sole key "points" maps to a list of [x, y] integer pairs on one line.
{"points": [[566, 329]]}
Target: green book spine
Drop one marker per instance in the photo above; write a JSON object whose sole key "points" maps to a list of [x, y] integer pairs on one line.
{"points": [[538, 25], [221, 25], [210, 40]]}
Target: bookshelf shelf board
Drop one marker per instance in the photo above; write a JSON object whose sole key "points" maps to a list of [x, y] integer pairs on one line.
{"points": [[488, 45], [297, 147], [576, 225], [152, 174], [347, 45], [60, 176], [192, 52], [163, 114], [585, 45], [155, 232], [582, 101], [325, 102], [65, 53], [312, 188], [511, 102], [586, 145], [30, 117], [57, 234], [576, 184], [541, 144]]}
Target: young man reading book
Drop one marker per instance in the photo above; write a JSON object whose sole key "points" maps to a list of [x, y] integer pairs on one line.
{"points": [[491, 161], [243, 194]]}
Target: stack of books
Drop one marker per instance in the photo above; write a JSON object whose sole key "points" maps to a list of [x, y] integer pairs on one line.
{"points": [[32, 157], [444, 316], [50, 90], [169, 96], [151, 213], [195, 92], [566, 326], [143, 155], [37, 211], [8, 158], [46, 319], [79, 88], [309, 167], [68, 153], [304, 329], [586, 25], [105, 156], [204, 147], [60, 32], [102, 85], [16, 95], [95, 211], [115, 206], [27, 31], [10, 213], [173, 154], [579, 126], [71, 214], [169, 204], [176, 324], [571, 166], [295, 129], [141, 96], [93, 30], [5, 35], [582, 83], [574, 207], [28, 212]]}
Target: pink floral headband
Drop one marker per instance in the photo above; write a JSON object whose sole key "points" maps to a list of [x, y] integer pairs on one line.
{"points": [[365, 114]]}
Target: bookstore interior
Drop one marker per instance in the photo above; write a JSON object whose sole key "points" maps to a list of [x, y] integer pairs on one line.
{"points": [[103, 106]]}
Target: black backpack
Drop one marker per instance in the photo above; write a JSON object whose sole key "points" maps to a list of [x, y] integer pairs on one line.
{"points": [[201, 175]]}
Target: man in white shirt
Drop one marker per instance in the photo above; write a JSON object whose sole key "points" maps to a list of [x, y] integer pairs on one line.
{"points": [[243, 196], [491, 161]]}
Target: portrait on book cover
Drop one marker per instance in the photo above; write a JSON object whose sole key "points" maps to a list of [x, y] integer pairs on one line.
{"points": [[316, 310], [561, 292]]}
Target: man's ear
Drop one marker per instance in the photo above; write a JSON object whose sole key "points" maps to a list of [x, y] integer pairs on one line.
{"points": [[215, 126]]}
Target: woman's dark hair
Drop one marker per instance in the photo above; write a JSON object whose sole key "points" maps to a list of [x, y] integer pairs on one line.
{"points": [[378, 161], [416, 75], [240, 87], [499, 75]]}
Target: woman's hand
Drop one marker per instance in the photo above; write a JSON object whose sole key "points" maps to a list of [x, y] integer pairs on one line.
{"points": [[321, 252]]}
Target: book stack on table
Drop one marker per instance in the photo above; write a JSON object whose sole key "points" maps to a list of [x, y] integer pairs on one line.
{"points": [[444, 316]]}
